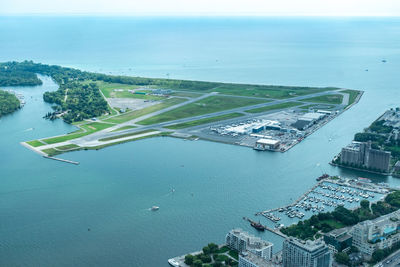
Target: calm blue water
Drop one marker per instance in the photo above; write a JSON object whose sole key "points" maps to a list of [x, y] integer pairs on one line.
{"points": [[46, 207]]}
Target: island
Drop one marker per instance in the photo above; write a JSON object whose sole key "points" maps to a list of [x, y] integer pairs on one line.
{"points": [[376, 149], [111, 109]]}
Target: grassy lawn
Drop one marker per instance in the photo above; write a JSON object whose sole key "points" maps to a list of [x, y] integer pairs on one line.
{"points": [[333, 223], [138, 113], [353, 95], [233, 254], [35, 143], [204, 106], [126, 135], [274, 107], [124, 128], [328, 99], [108, 91], [90, 127], [51, 151], [108, 88], [203, 121], [268, 91], [67, 147]]}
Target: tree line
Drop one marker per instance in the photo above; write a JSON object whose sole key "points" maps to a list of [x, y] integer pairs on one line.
{"points": [[8, 103]]}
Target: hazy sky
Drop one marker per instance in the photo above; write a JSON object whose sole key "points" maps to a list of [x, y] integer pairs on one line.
{"points": [[204, 7]]}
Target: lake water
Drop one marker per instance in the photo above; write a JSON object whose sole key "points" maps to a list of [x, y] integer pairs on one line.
{"points": [[47, 207]]}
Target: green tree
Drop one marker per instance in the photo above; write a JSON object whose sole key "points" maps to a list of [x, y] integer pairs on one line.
{"points": [[206, 250], [364, 204], [213, 247], [342, 258], [197, 263], [228, 261], [205, 258], [378, 255], [189, 259]]}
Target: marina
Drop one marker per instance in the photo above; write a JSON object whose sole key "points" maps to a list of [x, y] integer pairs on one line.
{"points": [[326, 195]]}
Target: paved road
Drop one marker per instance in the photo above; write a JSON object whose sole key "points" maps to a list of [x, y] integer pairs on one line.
{"points": [[346, 98], [107, 132], [392, 260]]}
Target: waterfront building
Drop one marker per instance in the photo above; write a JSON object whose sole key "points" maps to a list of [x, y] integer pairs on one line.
{"points": [[266, 144], [241, 241], [338, 240], [308, 120], [397, 166], [303, 123], [379, 233], [361, 155], [308, 253]]}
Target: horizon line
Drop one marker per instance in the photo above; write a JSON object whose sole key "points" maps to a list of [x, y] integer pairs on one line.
{"points": [[197, 14]]}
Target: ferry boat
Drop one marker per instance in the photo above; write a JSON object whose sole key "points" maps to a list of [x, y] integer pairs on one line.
{"points": [[258, 226], [173, 263], [323, 176]]}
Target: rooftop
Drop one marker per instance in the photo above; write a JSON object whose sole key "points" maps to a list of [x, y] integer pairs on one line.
{"points": [[307, 245], [267, 141], [259, 261], [253, 241]]}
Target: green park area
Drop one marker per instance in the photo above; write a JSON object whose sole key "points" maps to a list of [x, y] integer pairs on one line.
{"points": [[207, 105], [213, 256], [275, 107], [204, 121]]}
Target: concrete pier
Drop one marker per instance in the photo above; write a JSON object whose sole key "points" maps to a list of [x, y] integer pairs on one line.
{"points": [[275, 231], [62, 160]]}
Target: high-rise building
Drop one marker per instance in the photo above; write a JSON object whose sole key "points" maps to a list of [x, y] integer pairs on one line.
{"points": [[242, 241], [308, 253], [361, 155]]}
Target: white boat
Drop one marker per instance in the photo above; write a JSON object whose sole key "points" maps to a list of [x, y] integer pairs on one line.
{"points": [[173, 262], [155, 208]]}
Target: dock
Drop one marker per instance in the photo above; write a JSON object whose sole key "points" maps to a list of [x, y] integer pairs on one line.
{"points": [[62, 160], [294, 203], [272, 230]]}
